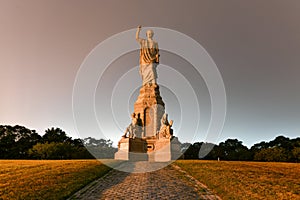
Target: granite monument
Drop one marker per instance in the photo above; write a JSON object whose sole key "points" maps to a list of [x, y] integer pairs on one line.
{"points": [[149, 136]]}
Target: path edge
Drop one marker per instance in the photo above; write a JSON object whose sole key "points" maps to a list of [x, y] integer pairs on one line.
{"points": [[199, 186]]}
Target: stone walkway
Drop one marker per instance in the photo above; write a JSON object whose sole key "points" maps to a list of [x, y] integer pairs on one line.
{"points": [[168, 183]]}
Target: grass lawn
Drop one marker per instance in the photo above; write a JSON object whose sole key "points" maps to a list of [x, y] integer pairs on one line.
{"points": [[247, 180], [46, 179]]}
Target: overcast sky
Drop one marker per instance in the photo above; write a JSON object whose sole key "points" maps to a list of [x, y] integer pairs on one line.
{"points": [[255, 45]]}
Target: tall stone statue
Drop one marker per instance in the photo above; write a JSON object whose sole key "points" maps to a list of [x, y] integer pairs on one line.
{"points": [[149, 137], [149, 57]]}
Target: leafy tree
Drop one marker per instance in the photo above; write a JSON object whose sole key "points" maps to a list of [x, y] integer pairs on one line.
{"points": [[15, 141], [193, 151], [296, 154], [55, 150], [51, 150], [185, 146], [208, 151], [279, 149], [259, 146], [281, 141], [55, 135], [100, 148], [273, 154], [216, 153], [233, 149]]}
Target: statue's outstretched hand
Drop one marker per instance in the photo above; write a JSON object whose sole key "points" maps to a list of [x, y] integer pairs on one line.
{"points": [[137, 35]]}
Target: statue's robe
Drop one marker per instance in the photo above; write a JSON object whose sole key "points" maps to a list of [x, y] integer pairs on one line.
{"points": [[149, 59]]}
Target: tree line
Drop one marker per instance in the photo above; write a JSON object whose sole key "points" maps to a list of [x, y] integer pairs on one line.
{"points": [[281, 149], [18, 142]]}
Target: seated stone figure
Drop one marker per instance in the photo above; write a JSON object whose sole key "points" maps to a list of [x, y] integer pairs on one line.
{"points": [[134, 129], [165, 127]]}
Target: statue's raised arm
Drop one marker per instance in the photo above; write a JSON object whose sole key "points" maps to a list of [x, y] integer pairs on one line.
{"points": [[137, 34]]}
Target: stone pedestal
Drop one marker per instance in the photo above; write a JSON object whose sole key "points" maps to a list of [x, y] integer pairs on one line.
{"points": [[149, 139], [150, 108], [123, 149], [163, 150], [155, 150]]}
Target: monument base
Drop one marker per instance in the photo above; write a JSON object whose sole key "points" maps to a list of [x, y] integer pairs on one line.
{"points": [[123, 149], [148, 149]]}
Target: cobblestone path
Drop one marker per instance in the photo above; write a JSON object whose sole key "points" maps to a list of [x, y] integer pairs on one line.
{"points": [[168, 183]]}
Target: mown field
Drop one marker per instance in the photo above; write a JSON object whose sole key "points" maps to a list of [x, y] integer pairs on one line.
{"points": [[26, 179], [247, 180]]}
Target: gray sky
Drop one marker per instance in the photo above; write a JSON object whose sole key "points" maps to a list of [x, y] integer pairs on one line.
{"points": [[255, 45]]}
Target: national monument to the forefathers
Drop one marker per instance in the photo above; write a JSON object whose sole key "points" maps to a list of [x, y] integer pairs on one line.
{"points": [[150, 135]]}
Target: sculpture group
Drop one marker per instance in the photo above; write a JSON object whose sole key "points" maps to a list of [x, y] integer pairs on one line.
{"points": [[149, 136], [135, 128]]}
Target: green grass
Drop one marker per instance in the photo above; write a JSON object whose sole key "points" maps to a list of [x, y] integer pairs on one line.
{"points": [[33, 179], [247, 180]]}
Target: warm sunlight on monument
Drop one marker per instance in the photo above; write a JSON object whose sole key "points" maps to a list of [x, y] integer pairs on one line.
{"points": [[150, 134]]}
